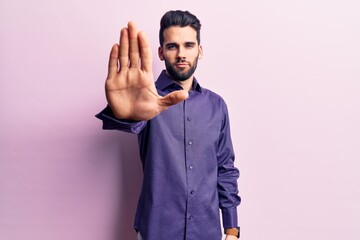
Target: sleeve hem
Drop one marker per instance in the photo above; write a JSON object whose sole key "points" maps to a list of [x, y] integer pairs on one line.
{"points": [[110, 122], [229, 217]]}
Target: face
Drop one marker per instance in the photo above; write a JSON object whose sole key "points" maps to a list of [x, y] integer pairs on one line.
{"points": [[181, 52]]}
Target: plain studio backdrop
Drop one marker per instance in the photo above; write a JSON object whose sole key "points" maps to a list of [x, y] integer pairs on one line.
{"points": [[288, 70]]}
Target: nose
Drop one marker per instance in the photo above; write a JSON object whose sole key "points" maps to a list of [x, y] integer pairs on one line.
{"points": [[181, 52]]}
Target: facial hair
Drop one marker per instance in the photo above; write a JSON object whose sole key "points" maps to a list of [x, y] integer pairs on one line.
{"points": [[179, 75]]}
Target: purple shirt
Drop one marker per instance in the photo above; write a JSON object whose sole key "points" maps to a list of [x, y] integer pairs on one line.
{"points": [[188, 164]]}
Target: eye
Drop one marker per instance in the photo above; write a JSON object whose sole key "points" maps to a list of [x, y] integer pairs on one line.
{"points": [[189, 45], [171, 47]]}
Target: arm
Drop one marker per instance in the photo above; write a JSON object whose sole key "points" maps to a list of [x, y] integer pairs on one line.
{"points": [[227, 177]]}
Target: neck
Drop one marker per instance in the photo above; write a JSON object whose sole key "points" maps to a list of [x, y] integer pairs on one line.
{"points": [[185, 84]]}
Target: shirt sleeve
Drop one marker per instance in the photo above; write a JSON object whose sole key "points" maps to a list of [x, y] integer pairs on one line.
{"points": [[227, 176], [110, 122]]}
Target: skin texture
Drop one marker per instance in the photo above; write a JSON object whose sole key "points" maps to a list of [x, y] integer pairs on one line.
{"points": [[181, 52], [129, 87], [229, 237]]}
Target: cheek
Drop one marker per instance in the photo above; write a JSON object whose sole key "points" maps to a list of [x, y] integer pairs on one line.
{"points": [[195, 55], [169, 56]]}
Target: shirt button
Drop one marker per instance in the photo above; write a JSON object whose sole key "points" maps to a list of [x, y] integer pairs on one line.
{"points": [[192, 192], [190, 217], [190, 142], [188, 118], [191, 167]]}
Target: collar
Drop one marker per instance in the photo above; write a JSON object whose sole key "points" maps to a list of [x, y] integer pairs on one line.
{"points": [[164, 82]]}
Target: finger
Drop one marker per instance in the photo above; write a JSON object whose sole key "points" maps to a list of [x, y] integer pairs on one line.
{"points": [[113, 61], [124, 49], [174, 98], [145, 52], [134, 45]]}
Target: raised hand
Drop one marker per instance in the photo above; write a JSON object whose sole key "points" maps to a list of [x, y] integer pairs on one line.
{"points": [[130, 89]]}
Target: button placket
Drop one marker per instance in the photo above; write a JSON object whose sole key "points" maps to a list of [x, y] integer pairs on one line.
{"points": [[189, 148]]}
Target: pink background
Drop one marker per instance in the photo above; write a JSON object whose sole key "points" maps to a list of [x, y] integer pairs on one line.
{"points": [[295, 114]]}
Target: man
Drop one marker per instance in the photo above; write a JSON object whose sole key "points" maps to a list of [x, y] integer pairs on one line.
{"points": [[183, 132]]}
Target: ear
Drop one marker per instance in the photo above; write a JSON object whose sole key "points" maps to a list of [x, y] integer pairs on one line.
{"points": [[200, 52], [161, 53]]}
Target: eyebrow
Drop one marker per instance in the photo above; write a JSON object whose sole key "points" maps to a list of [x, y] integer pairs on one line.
{"points": [[171, 44], [175, 44]]}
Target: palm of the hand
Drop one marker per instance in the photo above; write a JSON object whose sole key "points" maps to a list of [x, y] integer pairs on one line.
{"points": [[130, 88], [136, 99]]}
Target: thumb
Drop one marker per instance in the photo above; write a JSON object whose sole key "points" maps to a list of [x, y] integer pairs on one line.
{"points": [[174, 98]]}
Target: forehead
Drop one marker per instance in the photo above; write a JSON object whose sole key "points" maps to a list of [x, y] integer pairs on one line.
{"points": [[178, 34]]}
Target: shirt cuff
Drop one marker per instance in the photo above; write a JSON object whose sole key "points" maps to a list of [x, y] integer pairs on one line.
{"points": [[110, 122], [229, 216]]}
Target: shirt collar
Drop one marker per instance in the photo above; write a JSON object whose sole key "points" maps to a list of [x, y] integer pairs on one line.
{"points": [[163, 82]]}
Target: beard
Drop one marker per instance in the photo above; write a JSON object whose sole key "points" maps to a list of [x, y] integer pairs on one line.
{"points": [[178, 75]]}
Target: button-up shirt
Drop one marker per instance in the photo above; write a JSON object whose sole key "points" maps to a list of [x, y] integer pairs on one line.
{"points": [[188, 164]]}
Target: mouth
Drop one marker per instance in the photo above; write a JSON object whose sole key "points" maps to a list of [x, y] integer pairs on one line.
{"points": [[181, 65]]}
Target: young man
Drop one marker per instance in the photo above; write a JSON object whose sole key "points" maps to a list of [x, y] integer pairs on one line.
{"points": [[183, 132]]}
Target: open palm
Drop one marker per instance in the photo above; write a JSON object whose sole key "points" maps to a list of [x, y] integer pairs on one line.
{"points": [[129, 87]]}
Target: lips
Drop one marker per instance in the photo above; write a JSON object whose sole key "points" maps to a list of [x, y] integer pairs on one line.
{"points": [[181, 65]]}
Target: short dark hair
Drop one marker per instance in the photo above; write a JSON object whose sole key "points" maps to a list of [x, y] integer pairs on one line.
{"points": [[181, 19]]}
